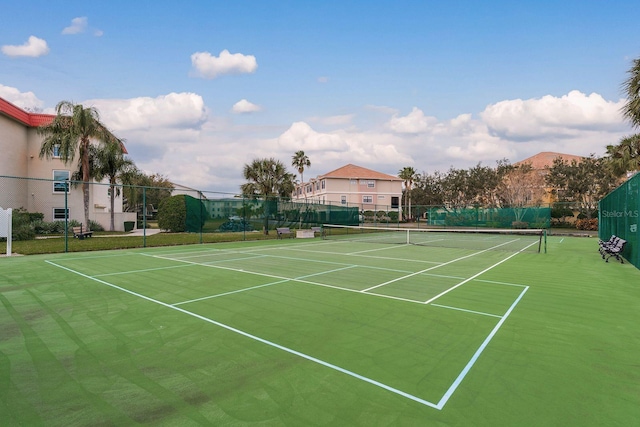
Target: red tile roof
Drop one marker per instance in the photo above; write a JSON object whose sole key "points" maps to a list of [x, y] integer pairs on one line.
{"points": [[357, 172], [24, 117], [546, 158], [30, 119]]}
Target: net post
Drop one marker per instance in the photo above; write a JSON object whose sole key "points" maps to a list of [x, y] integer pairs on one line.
{"points": [[408, 241], [545, 241]]}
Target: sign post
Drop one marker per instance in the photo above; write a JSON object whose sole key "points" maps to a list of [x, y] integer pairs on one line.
{"points": [[5, 227]]}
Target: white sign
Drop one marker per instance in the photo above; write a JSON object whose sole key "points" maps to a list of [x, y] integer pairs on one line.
{"points": [[5, 227]]}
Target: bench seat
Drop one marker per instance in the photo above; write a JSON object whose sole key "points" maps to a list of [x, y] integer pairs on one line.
{"points": [[81, 233]]}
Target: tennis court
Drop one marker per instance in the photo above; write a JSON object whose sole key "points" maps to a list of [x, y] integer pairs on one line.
{"points": [[255, 331]]}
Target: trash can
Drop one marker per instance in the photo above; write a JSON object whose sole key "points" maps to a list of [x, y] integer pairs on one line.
{"points": [[128, 225]]}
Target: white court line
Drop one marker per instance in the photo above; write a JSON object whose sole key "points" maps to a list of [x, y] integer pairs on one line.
{"points": [[264, 341], [437, 266], [501, 283], [308, 282], [289, 258], [377, 249], [262, 286], [476, 275], [366, 256], [478, 352], [464, 309], [141, 271]]}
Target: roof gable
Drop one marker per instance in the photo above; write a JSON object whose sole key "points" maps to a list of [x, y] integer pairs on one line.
{"points": [[358, 172], [546, 158]]}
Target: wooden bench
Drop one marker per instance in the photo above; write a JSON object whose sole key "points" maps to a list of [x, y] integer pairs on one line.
{"points": [[282, 231], [79, 233]]}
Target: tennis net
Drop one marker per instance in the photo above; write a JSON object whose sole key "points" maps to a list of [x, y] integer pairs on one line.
{"points": [[513, 240]]}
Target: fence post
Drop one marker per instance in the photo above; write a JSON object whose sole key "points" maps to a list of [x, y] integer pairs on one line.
{"points": [[66, 216]]}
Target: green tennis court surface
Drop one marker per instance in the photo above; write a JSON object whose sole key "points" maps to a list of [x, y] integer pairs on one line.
{"points": [[321, 332]]}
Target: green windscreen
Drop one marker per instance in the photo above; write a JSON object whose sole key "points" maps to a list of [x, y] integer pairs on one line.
{"points": [[523, 217], [618, 215]]}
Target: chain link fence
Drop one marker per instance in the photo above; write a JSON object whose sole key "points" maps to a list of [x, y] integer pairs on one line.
{"points": [[53, 206]]}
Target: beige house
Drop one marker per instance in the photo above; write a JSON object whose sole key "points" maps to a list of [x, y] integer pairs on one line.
{"points": [[540, 164], [37, 185], [353, 185]]}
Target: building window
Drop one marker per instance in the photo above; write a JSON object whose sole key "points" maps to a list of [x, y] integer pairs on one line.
{"points": [[367, 199], [59, 214], [371, 184], [59, 181], [353, 182], [343, 200], [56, 150], [395, 202], [323, 184], [380, 197]]}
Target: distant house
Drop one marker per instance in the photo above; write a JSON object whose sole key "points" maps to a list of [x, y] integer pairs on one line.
{"points": [[352, 185], [37, 185], [541, 162]]}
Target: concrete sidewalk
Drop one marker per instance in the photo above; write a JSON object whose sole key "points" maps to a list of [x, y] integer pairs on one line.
{"points": [[141, 232]]}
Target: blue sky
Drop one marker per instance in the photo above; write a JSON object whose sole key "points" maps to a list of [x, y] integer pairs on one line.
{"points": [[198, 89]]}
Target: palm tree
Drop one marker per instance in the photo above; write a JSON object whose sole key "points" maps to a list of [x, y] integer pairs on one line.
{"points": [[300, 161], [631, 110], [408, 175], [267, 178], [72, 131], [625, 157], [110, 162]]}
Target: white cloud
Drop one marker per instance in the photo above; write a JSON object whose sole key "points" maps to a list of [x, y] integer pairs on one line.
{"points": [[210, 67], [244, 106], [78, 25], [175, 110], [34, 48], [323, 79], [25, 100], [550, 116], [339, 120], [414, 122], [177, 136], [300, 136]]}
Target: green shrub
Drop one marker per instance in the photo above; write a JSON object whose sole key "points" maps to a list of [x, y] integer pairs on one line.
{"points": [[21, 226], [172, 214], [36, 216], [95, 226]]}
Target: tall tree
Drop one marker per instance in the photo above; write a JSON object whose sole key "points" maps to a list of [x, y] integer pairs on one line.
{"points": [[72, 131], [624, 157], [111, 163], [631, 86], [155, 187], [267, 178], [583, 183], [408, 175], [301, 161], [521, 187]]}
